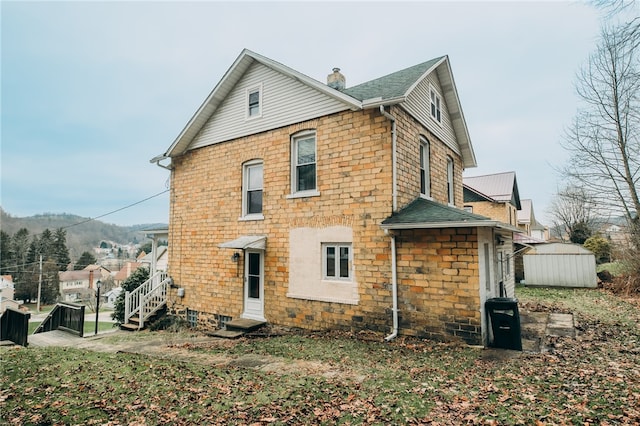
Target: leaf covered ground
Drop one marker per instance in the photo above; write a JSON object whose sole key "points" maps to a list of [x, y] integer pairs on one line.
{"points": [[342, 378]]}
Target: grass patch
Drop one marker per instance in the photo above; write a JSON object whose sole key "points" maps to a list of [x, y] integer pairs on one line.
{"points": [[338, 378], [615, 268]]}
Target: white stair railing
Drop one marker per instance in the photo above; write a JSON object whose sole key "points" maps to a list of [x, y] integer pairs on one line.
{"points": [[148, 298]]}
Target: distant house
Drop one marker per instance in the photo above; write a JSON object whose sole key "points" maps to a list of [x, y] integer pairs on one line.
{"points": [[125, 272], [162, 259], [497, 196], [111, 296], [7, 289], [321, 206], [77, 285], [528, 224]]}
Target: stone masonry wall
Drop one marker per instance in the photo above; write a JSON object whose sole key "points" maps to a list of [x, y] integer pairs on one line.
{"points": [[438, 284], [354, 181]]}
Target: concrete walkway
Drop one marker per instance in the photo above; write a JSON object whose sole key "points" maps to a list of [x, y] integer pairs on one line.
{"points": [[538, 327]]}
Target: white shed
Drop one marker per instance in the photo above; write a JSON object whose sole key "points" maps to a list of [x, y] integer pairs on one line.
{"points": [[560, 265]]}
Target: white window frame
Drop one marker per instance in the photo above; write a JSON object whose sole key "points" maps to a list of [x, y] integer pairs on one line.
{"points": [[451, 199], [435, 105], [245, 190], [425, 167], [337, 247], [295, 193], [249, 91]]}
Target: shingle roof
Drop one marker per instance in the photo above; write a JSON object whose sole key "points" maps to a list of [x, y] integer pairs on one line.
{"points": [[392, 85], [423, 213]]}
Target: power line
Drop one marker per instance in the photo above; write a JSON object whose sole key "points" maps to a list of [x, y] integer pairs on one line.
{"points": [[117, 210]]}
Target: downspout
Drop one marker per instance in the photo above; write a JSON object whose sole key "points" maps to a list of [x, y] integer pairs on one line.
{"points": [[394, 269], [394, 290], [394, 170]]}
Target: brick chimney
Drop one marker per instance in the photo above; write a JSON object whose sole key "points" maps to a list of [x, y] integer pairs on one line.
{"points": [[336, 80]]}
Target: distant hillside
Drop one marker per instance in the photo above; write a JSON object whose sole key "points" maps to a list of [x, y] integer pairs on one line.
{"points": [[83, 234]]}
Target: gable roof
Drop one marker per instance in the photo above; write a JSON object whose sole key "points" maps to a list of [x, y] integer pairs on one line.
{"points": [[525, 214], [394, 86], [423, 213], [387, 90], [500, 187]]}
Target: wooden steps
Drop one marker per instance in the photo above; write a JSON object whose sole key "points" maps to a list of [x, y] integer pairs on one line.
{"points": [[237, 327], [134, 322]]}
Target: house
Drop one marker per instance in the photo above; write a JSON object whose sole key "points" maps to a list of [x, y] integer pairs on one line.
{"points": [[78, 285], [162, 259], [528, 224], [127, 269], [7, 293], [324, 206], [497, 196], [111, 296]]}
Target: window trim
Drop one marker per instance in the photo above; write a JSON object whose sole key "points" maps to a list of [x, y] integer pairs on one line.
{"points": [[245, 190], [435, 105], [295, 138], [249, 91], [451, 196], [337, 277], [425, 154]]}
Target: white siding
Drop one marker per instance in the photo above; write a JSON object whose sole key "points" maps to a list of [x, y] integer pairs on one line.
{"points": [[285, 101], [560, 270], [418, 104]]}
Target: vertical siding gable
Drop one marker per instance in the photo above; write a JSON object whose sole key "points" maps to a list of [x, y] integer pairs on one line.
{"points": [[418, 104], [285, 101]]}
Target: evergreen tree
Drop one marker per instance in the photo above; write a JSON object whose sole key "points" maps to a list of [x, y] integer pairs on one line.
{"points": [[137, 278], [85, 259], [60, 250], [6, 256], [45, 245]]}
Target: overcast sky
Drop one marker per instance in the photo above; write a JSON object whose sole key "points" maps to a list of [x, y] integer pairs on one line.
{"points": [[92, 91]]}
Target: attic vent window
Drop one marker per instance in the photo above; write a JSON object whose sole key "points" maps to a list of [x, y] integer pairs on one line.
{"points": [[254, 102], [435, 105]]}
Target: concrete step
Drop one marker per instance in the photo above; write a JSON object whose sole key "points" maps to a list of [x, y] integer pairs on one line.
{"points": [[244, 324], [226, 334]]}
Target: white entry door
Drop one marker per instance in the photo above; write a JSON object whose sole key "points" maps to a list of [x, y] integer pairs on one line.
{"points": [[254, 285]]}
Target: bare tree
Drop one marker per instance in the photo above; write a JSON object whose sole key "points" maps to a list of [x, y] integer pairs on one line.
{"points": [[574, 214], [604, 139]]}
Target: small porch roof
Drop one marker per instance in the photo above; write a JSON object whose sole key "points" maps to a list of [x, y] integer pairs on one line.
{"points": [[426, 214], [258, 242]]}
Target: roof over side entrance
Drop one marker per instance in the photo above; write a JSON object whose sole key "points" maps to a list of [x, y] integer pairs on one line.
{"points": [[258, 242], [423, 213]]}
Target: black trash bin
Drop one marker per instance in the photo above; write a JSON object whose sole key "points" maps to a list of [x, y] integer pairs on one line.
{"points": [[505, 322]]}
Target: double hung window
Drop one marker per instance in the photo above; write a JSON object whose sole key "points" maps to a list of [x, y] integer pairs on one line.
{"points": [[252, 189], [436, 112], [425, 158], [303, 167], [450, 191], [254, 102]]}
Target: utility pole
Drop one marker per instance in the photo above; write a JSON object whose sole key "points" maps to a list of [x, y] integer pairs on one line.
{"points": [[39, 285]]}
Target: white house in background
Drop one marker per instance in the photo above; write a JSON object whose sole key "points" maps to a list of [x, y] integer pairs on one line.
{"points": [[7, 293], [162, 259], [75, 285], [111, 296], [527, 222]]}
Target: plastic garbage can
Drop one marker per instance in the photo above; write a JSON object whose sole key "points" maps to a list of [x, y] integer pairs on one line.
{"points": [[505, 322]]}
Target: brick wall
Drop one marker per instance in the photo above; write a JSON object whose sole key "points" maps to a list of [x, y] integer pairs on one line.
{"points": [[354, 181], [504, 212], [438, 284]]}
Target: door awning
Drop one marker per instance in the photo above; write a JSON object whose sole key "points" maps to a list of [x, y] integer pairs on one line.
{"points": [[244, 242]]}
